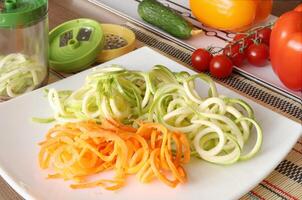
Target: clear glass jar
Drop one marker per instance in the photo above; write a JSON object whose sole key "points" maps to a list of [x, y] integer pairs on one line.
{"points": [[23, 46]]}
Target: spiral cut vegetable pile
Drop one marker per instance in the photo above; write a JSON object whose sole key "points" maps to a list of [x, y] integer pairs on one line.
{"points": [[19, 74], [75, 151], [218, 127]]}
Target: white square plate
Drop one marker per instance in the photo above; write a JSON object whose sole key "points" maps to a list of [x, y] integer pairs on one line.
{"points": [[19, 137]]}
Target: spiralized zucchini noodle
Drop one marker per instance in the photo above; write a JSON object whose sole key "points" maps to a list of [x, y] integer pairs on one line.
{"points": [[218, 127], [19, 74]]}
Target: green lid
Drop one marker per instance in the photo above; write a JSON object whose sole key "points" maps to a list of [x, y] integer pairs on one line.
{"points": [[21, 13], [75, 45]]}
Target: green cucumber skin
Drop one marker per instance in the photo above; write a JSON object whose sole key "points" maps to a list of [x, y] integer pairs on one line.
{"points": [[164, 18]]}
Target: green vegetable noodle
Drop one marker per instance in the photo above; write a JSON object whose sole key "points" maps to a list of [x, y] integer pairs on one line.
{"points": [[166, 19], [19, 74], [218, 127]]}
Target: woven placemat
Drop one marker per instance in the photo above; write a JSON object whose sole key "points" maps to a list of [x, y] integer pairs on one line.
{"points": [[285, 182]]}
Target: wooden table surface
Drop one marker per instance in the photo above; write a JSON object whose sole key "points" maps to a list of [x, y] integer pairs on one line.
{"points": [[64, 10]]}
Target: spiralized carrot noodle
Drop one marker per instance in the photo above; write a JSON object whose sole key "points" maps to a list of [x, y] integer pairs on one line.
{"points": [[77, 151]]}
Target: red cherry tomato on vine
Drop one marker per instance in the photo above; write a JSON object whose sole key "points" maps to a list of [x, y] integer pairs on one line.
{"points": [[265, 35], [248, 41], [239, 36], [201, 59], [221, 66], [257, 54], [235, 53]]}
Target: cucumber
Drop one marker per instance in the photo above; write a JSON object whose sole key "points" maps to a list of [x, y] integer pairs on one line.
{"points": [[166, 19]]}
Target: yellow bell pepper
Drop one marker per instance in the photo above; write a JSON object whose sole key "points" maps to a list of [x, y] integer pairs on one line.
{"points": [[231, 15]]}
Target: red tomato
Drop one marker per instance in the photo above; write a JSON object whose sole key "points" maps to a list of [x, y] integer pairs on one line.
{"points": [[298, 8], [286, 48], [235, 53], [201, 59], [265, 35], [246, 42], [221, 66], [257, 54], [239, 36]]}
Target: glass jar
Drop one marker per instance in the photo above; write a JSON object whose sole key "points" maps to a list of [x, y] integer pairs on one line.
{"points": [[23, 46]]}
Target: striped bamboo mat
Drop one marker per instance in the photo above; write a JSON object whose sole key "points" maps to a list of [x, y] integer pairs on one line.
{"points": [[285, 182]]}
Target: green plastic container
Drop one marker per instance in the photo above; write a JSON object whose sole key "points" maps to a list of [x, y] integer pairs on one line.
{"points": [[75, 45], [23, 46]]}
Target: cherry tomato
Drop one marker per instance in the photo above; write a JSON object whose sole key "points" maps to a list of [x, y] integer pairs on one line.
{"points": [[248, 41], [265, 35], [257, 54], [235, 53], [201, 59], [221, 66], [239, 36]]}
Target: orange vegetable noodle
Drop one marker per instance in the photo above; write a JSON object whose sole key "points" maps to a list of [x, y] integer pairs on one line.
{"points": [[78, 151]]}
